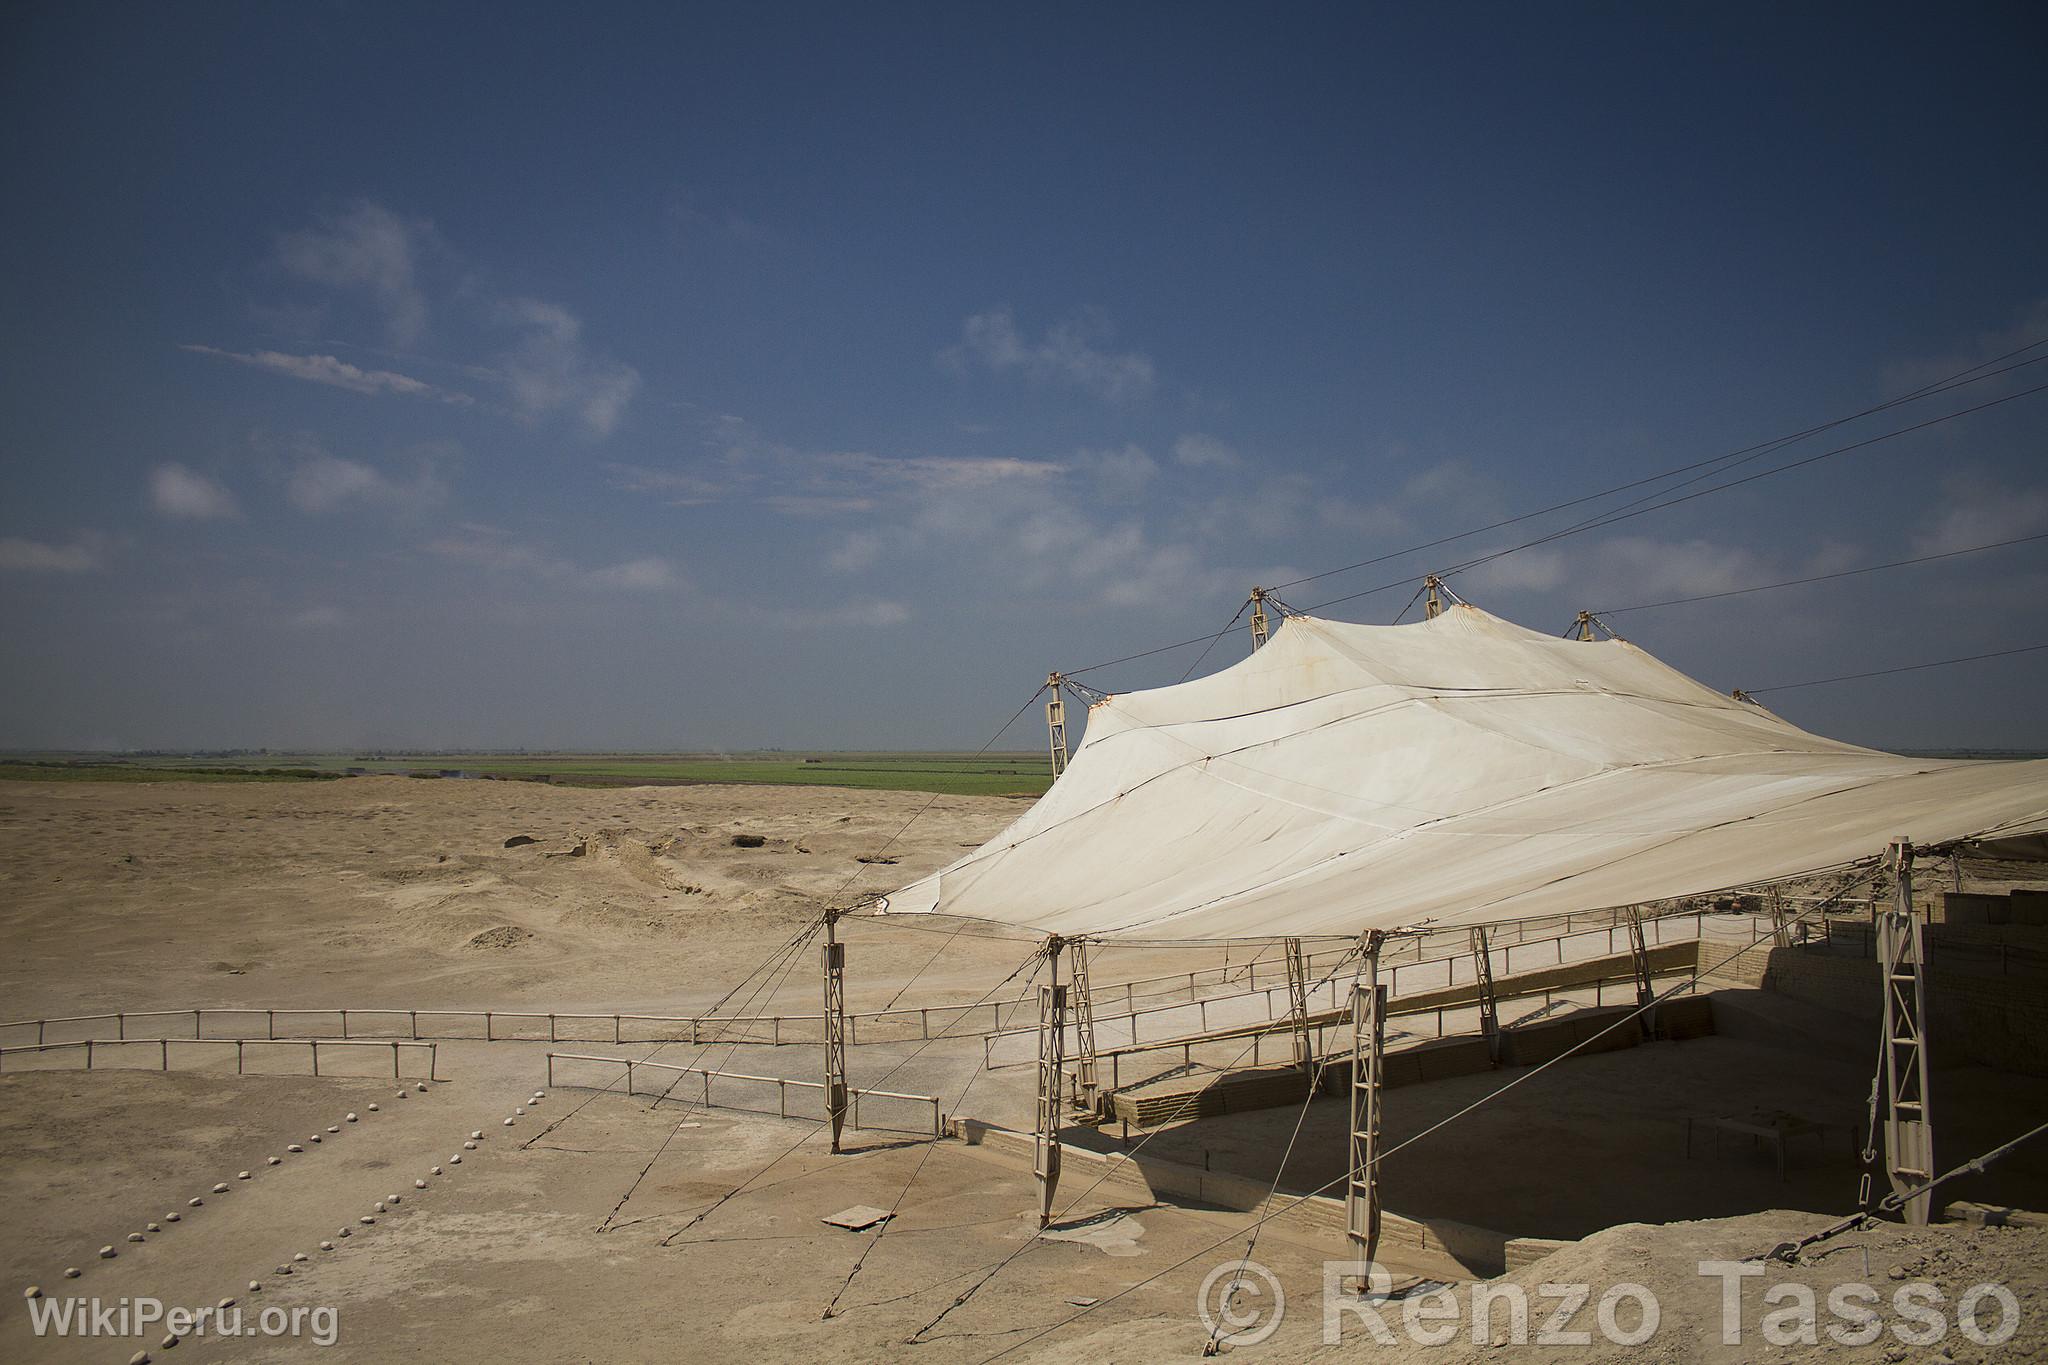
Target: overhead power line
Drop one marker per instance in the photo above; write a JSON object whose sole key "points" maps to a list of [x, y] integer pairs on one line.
{"points": [[1975, 374], [1788, 466], [1609, 519], [1960, 379], [1906, 668], [1824, 577]]}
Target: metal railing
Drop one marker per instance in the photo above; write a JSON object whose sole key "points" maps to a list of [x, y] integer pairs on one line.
{"points": [[490, 1026], [240, 1045], [1340, 1019], [782, 1084], [1339, 987], [354, 1022]]}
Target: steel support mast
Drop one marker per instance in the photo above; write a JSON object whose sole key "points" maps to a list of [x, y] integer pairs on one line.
{"points": [[1368, 1065], [835, 1027], [1052, 1043], [1903, 1090], [1086, 1073], [1056, 723]]}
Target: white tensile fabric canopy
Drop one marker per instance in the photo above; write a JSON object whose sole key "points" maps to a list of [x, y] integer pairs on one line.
{"points": [[1463, 770]]}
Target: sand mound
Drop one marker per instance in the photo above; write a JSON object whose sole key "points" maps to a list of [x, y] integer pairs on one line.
{"points": [[504, 936], [633, 854], [1668, 1258]]}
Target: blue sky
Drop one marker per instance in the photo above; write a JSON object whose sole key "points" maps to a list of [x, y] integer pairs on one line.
{"points": [[686, 377]]}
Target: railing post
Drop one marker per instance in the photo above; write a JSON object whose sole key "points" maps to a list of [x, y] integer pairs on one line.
{"points": [[344, 1022], [1489, 1013], [167, 1053], [88, 1054], [629, 1075], [121, 1026], [315, 1045], [412, 1018], [551, 1026], [1297, 1004], [197, 1029], [394, 1061], [270, 1024], [615, 1030], [238, 1056]]}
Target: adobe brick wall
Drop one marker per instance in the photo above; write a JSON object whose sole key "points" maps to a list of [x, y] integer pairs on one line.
{"points": [[2000, 1022]]}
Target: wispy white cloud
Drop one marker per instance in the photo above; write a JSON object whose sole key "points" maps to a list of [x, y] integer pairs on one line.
{"points": [[1070, 352], [650, 573], [1119, 475], [550, 368], [317, 618], [498, 551], [336, 373], [368, 248], [1197, 451], [1918, 372], [1628, 569], [802, 505], [1534, 570], [744, 465], [1456, 490], [856, 552], [85, 552], [931, 471], [875, 612], [178, 492], [536, 350], [693, 220], [318, 483], [1976, 509]]}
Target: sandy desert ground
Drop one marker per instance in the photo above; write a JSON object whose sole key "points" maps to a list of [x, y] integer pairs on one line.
{"points": [[598, 1226]]}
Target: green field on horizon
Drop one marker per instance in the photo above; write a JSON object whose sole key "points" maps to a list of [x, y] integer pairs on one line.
{"points": [[993, 774]]}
